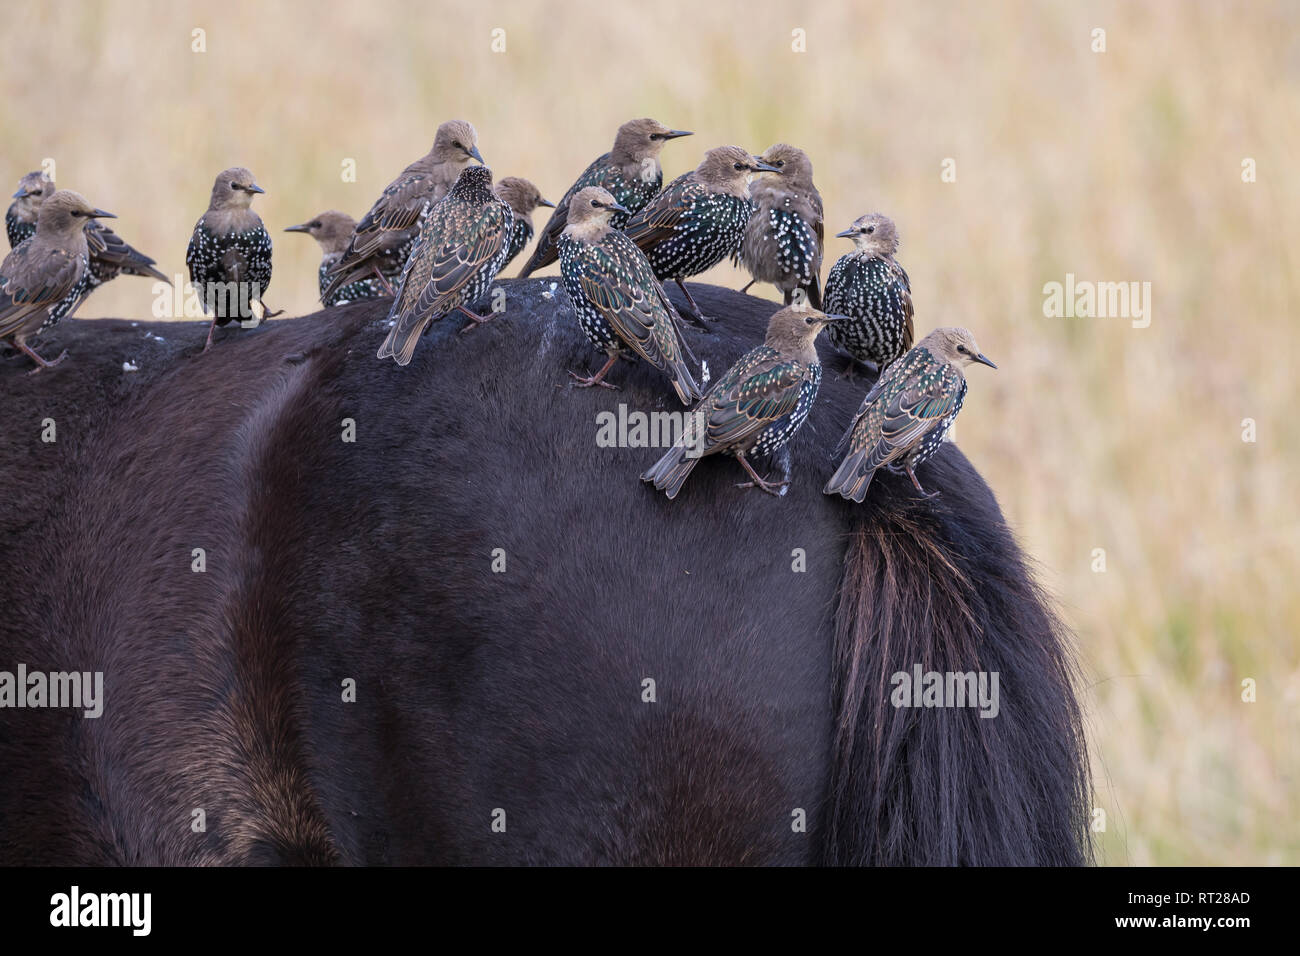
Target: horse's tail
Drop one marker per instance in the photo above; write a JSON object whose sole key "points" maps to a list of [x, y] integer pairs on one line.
{"points": [[944, 588]]}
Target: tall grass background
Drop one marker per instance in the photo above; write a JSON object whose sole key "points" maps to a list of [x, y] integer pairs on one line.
{"points": [[1117, 166]]}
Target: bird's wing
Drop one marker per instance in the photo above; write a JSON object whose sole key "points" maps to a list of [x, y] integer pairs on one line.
{"points": [[660, 217], [32, 283], [107, 246], [901, 287], [545, 253], [757, 391], [618, 281], [448, 255], [397, 210], [913, 411]]}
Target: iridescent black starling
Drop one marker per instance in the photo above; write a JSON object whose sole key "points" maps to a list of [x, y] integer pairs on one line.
{"points": [[462, 246], [230, 253], [756, 407], [870, 287], [904, 417], [37, 276], [385, 237], [333, 229], [620, 304], [783, 243], [522, 197], [110, 255], [699, 219], [630, 172]]}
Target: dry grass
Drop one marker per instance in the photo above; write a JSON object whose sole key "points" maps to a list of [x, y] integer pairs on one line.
{"points": [[1119, 166]]}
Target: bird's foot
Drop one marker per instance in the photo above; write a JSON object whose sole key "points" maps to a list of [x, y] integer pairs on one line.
{"points": [[774, 488], [43, 364], [475, 320], [589, 381]]}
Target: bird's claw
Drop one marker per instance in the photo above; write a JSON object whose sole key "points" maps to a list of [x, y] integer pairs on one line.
{"points": [[580, 382]]}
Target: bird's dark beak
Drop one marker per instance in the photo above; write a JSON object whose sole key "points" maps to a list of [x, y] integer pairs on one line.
{"points": [[302, 228], [674, 133], [546, 202], [846, 234], [21, 194], [615, 207], [477, 155], [759, 164], [254, 188], [984, 359], [836, 317], [100, 214]]}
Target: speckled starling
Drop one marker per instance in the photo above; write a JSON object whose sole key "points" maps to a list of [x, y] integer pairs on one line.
{"points": [[39, 274], [630, 172], [110, 255], [230, 253], [756, 407], [783, 242], [385, 237], [699, 219], [462, 246], [871, 287], [20, 219], [522, 197], [620, 304], [904, 417], [332, 229]]}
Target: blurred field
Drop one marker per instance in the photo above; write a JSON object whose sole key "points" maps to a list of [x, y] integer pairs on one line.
{"points": [[1122, 166]]}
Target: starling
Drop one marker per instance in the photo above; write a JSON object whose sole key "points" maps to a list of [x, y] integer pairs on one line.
{"points": [[620, 304], [903, 419], [630, 172], [522, 197], [700, 218], [783, 242], [20, 220], [757, 406], [462, 246], [385, 237], [38, 275], [332, 229], [110, 256], [870, 287], [230, 253]]}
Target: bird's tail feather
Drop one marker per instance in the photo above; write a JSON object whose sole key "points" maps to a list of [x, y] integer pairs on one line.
{"points": [[852, 478], [403, 338], [669, 473]]}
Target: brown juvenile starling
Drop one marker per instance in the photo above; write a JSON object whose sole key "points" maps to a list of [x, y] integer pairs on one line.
{"points": [[754, 408], [904, 417], [38, 275], [699, 219], [386, 235], [620, 304], [870, 287], [332, 230], [462, 246], [230, 253], [630, 172], [110, 255], [522, 197], [783, 242]]}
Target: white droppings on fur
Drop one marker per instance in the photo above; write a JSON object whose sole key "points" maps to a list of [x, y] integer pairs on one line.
{"points": [[130, 367], [704, 373]]}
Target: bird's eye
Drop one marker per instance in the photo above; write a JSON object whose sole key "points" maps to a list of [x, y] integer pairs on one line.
{"points": [[234, 185], [457, 145], [779, 162], [808, 320], [654, 136], [962, 350], [739, 165], [316, 224], [595, 202]]}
